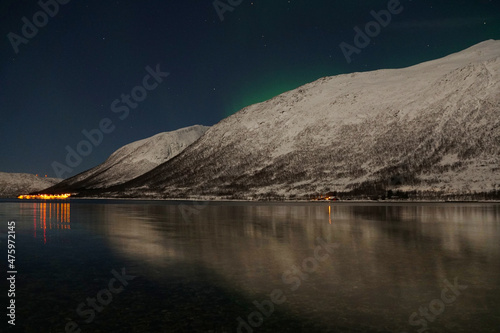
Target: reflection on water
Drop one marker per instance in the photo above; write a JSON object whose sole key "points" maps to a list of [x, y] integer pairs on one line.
{"points": [[47, 216], [390, 260]]}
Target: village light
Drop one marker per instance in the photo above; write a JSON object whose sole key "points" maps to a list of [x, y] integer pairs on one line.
{"points": [[45, 196]]}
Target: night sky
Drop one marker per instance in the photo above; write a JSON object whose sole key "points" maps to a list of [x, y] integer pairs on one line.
{"points": [[64, 79]]}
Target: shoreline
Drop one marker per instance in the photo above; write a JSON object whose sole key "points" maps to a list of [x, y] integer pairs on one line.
{"points": [[333, 202]]}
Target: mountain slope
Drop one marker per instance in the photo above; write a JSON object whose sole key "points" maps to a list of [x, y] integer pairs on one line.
{"points": [[14, 184], [133, 160], [431, 127]]}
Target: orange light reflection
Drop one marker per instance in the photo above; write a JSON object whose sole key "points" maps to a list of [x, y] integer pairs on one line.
{"points": [[50, 216]]}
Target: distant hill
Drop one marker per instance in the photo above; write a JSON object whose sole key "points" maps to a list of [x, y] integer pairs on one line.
{"points": [[14, 184]]}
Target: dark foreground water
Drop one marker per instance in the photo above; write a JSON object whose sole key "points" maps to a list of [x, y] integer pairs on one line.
{"points": [[129, 266]]}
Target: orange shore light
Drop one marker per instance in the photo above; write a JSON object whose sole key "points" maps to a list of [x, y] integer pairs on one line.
{"points": [[45, 196]]}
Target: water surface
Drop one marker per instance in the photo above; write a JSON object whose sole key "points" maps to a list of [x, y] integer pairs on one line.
{"points": [[212, 267]]}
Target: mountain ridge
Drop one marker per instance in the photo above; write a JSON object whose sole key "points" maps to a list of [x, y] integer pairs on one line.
{"points": [[133, 159], [432, 127]]}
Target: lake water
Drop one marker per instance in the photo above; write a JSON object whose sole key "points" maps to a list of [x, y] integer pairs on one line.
{"points": [[152, 266]]}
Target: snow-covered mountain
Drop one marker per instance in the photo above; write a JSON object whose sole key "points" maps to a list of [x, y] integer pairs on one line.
{"points": [[14, 184], [432, 127], [133, 160]]}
